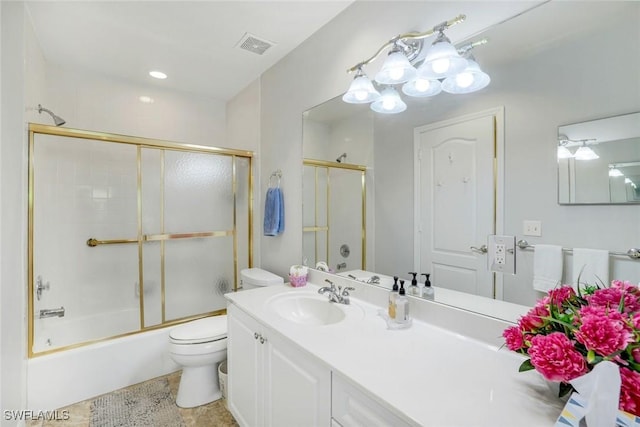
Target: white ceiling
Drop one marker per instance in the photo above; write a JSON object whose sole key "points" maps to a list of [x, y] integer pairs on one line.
{"points": [[193, 42]]}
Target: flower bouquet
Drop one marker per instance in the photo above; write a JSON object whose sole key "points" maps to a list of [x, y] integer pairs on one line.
{"points": [[567, 333]]}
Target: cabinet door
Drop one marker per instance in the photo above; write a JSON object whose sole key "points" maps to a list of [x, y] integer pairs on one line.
{"points": [[244, 353], [297, 387]]}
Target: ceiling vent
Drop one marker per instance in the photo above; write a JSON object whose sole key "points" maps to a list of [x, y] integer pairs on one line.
{"points": [[254, 44]]}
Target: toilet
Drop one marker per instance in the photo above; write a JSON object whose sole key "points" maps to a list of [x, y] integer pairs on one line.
{"points": [[251, 278], [201, 345]]}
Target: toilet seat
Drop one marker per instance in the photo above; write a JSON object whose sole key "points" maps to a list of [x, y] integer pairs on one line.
{"points": [[200, 331]]}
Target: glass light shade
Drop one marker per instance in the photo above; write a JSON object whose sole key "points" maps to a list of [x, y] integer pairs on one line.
{"points": [[389, 102], [441, 61], [585, 153], [396, 69], [615, 172], [563, 152], [628, 181], [469, 80], [361, 90], [421, 88]]}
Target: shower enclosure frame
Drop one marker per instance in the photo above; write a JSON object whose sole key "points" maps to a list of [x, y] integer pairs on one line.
{"points": [[323, 164], [139, 143]]}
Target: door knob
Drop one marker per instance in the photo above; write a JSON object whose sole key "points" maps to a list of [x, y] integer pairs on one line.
{"points": [[482, 249]]}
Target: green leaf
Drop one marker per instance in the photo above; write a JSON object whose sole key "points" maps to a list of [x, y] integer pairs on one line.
{"points": [[526, 366], [591, 356], [564, 389]]}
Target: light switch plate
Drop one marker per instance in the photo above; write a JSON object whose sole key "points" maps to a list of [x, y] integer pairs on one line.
{"points": [[501, 254], [532, 228]]}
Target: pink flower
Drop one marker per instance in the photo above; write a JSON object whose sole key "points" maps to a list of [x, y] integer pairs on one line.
{"points": [[533, 319], [630, 391], [603, 331], [635, 353], [559, 295], [636, 321], [555, 357], [610, 297], [513, 338]]}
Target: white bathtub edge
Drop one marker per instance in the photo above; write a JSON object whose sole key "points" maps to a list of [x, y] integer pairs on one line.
{"points": [[71, 376]]}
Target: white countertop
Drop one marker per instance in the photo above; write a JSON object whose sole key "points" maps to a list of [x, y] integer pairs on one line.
{"points": [[427, 375]]}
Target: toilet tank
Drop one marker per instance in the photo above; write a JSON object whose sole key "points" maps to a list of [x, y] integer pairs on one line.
{"points": [[251, 278]]}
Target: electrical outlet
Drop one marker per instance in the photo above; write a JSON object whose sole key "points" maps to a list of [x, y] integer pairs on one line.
{"points": [[531, 228], [501, 254]]}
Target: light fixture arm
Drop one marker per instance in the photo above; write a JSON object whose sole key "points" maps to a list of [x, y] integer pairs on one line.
{"points": [[465, 48], [409, 36]]}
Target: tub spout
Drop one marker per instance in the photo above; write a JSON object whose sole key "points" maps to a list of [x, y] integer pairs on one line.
{"points": [[52, 312]]}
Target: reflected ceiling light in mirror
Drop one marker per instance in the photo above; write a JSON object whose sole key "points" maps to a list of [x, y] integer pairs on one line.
{"points": [[396, 68], [585, 153], [471, 79], [442, 59], [563, 152], [361, 90], [389, 102], [614, 171]]}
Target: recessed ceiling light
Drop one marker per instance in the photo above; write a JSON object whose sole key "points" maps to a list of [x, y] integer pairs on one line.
{"points": [[158, 74], [146, 99]]}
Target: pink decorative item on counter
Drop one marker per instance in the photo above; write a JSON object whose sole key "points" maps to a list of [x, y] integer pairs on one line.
{"points": [[298, 281]]}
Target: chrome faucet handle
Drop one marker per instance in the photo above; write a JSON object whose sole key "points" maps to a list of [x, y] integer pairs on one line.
{"points": [[333, 286], [345, 291]]}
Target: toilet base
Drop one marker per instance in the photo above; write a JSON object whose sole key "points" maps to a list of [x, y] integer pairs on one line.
{"points": [[198, 386]]}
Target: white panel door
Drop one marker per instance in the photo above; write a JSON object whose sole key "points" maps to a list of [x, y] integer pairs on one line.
{"points": [[455, 202]]}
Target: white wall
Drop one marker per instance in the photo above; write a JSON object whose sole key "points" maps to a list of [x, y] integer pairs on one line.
{"points": [[13, 184]]}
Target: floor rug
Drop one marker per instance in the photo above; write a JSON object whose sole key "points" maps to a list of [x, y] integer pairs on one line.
{"points": [[146, 404]]}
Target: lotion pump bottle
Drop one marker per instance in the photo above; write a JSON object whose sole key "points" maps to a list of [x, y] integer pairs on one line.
{"points": [[428, 291], [392, 298], [413, 290], [402, 306]]}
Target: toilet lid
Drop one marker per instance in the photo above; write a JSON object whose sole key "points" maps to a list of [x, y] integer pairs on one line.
{"points": [[201, 330]]}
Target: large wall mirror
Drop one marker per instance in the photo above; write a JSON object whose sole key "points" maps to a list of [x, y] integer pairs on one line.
{"points": [[557, 64]]}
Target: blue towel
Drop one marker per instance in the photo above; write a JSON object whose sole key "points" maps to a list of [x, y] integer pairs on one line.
{"points": [[273, 212]]}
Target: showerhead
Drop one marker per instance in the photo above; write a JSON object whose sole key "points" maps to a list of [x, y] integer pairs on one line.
{"points": [[341, 157], [59, 121]]}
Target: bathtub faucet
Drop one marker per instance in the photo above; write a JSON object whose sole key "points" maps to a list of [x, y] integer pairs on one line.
{"points": [[52, 312]]}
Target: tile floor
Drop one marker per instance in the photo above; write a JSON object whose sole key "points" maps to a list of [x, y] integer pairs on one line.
{"points": [[214, 414]]}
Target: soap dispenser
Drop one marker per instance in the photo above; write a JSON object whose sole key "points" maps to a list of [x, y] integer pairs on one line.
{"points": [[413, 290], [428, 291], [402, 305], [392, 298]]}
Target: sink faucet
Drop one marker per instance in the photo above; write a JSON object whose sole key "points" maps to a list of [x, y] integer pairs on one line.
{"points": [[339, 295]]}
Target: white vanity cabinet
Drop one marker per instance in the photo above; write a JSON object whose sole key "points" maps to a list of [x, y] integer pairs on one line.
{"points": [[272, 382]]}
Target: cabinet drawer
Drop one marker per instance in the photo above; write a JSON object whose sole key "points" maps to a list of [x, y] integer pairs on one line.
{"points": [[350, 407]]}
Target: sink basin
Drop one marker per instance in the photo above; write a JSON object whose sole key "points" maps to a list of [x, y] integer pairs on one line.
{"points": [[308, 309]]}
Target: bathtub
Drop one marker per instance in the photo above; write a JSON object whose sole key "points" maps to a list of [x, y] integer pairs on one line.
{"points": [[69, 376]]}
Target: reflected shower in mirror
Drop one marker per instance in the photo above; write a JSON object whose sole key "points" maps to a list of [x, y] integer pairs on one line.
{"points": [[599, 161]]}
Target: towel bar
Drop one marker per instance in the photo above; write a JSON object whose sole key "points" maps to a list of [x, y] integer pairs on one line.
{"points": [[633, 253]]}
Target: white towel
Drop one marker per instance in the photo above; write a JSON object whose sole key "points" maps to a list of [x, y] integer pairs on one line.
{"points": [[547, 267], [592, 265]]}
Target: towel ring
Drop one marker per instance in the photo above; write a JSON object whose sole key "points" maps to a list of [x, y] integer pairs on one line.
{"points": [[278, 175]]}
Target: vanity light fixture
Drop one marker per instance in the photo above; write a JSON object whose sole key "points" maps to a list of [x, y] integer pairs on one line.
{"points": [[389, 102], [442, 67], [471, 78], [361, 90], [442, 59], [585, 153]]}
